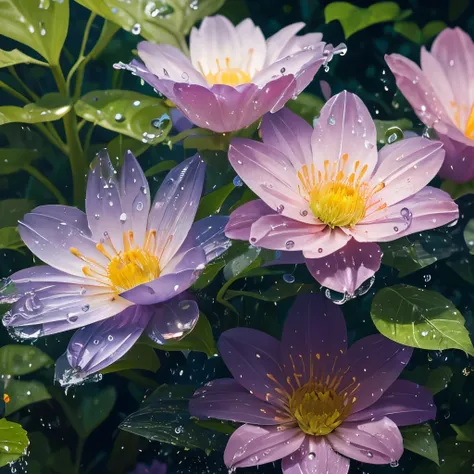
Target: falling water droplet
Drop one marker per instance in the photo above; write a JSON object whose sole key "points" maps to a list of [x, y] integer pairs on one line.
{"points": [[288, 278]]}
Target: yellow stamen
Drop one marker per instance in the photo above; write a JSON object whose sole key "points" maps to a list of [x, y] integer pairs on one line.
{"points": [[339, 197], [228, 75], [469, 132]]}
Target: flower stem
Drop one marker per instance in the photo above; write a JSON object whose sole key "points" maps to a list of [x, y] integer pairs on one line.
{"points": [[76, 157], [46, 182]]}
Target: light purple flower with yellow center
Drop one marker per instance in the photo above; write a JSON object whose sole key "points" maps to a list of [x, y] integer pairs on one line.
{"points": [[119, 270], [328, 193], [309, 399], [442, 95], [233, 75]]}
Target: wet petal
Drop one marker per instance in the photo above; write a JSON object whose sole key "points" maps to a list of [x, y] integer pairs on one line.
{"points": [[253, 46], [314, 334], [253, 359], [95, 347], [315, 456], [345, 127], [374, 362], [405, 403], [256, 445], [243, 217], [175, 206], [290, 134], [328, 241], [347, 268], [459, 162], [379, 442], [225, 399], [174, 319], [277, 43]]}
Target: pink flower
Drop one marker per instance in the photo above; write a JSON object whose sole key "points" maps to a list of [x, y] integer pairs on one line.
{"points": [[328, 193], [442, 95], [234, 76]]}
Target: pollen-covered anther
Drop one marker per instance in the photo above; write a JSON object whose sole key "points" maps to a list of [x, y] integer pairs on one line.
{"points": [[228, 75], [336, 197]]}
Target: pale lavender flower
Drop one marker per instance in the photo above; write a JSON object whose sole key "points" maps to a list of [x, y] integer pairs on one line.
{"points": [[119, 270], [309, 399], [155, 467]]}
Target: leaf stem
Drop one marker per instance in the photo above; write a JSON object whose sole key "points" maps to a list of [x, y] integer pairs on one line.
{"points": [[46, 182], [221, 295], [13, 92], [13, 72], [75, 152]]}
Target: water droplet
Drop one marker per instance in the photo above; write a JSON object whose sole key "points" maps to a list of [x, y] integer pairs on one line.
{"points": [[96, 341], [289, 244], [136, 103], [394, 464], [337, 298], [137, 28], [304, 213], [368, 145], [369, 454], [139, 206], [282, 70], [311, 456], [424, 333], [123, 217], [288, 278], [119, 118], [332, 120], [393, 134], [71, 317], [110, 337], [280, 208], [144, 189], [85, 308], [427, 278], [161, 122], [237, 181], [395, 229], [320, 250]]}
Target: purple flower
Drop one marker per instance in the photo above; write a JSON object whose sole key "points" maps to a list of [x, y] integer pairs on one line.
{"points": [[328, 193], [309, 400], [234, 76], [156, 467], [120, 269], [441, 95]]}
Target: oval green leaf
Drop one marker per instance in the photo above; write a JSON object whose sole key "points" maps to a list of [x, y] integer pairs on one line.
{"points": [[211, 203], [160, 167], [121, 144], [457, 190], [420, 318], [10, 239], [419, 439], [13, 441], [42, 26], [23, 394], [12, 210], [465, 432], [15, 56], [130, 113], [15, 159], [140, 356], [16, 359]]}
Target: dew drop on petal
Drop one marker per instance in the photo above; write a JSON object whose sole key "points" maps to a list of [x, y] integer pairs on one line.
{"points": [[289, 244], [123, 217]]}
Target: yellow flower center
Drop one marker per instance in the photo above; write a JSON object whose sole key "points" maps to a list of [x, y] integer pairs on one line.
{"points": [[228, 75], [469, 128], [127, 268], [336, 197], [319, 409]]}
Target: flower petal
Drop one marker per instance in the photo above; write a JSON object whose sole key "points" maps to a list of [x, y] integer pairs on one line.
{"points": [[169, 63], [173, 319], [405, 403], [51, 239], [252, 45], [278, 232], [347, 268], [459, 162], [314, 334], [270, 175], [134, 197], [405, 168], [95, 347], [315, 456], [427, 209], [243, 217], [175, 206], [328, 241], [345, 127], [290, 134], [374, 362], [276, 44], [253, 445], [253, 359], [225, 399], [379, 442]]}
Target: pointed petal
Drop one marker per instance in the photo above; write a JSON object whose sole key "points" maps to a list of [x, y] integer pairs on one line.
{"points": [[327, 242], [243, 217], [276, 43]]}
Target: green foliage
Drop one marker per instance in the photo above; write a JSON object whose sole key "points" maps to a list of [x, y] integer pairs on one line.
{"points": [[465, 432], [13, 441], [385, 129], [24, 393], [420, 318], [211, 203], [15, 56], [130, 113], [10, 239], [354, 19], [16, 159], [435, 380], [160, 167], [16, 359], [418, 35], [12, 210], [419, 439], [457, 190], [139, 356], [307, 106], [468, 234]]}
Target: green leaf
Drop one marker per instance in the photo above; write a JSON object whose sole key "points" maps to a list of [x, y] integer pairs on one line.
{"points": [[121, 144], [124, 453], [15, 159], [457, 8], [464, 267], [139, 356], [382, 126], [164, 417], [200, 339], [276, 292], [241, 263], [211, 203], [355, 19], [219, 142], [465, 432], [10, 239], [225, 427], [419, 439], [160, 167], [15, 56], [435, 380], [13, 441], [420, 318], [43, 28], [457, 190], [468, 234], [49, 108], [23, 394], [130, 113], [12, 210], [162, 21], [16, 359], [307, 106], [431, 29], [410, 30]]}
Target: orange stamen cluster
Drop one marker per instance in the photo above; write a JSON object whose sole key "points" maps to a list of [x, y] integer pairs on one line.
{"points": [[336, 197]]}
